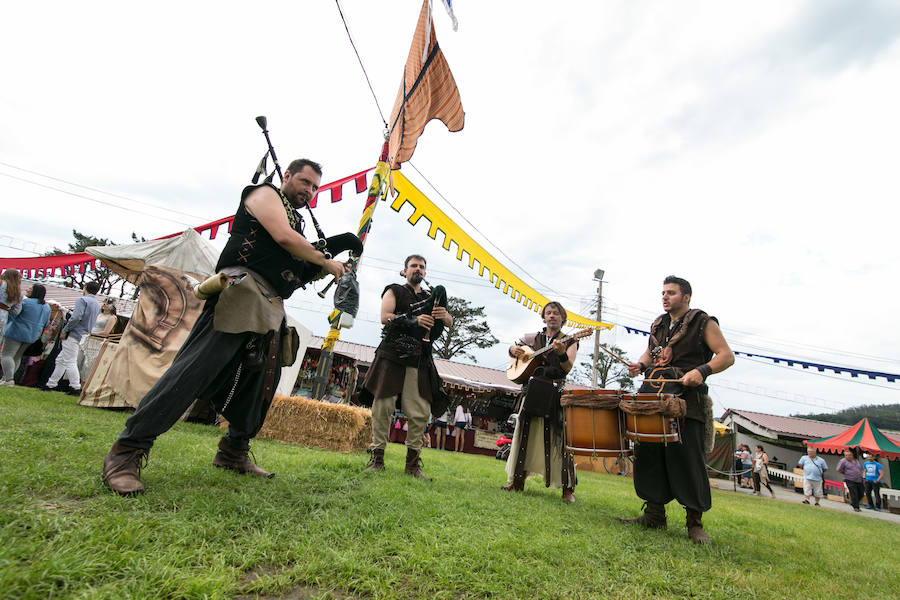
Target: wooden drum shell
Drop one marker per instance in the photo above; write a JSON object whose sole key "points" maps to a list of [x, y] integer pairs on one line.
{"points": [[650, 428], [594, 431]]}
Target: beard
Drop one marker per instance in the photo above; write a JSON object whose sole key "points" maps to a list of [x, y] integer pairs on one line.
{"points": [[416, 278]]}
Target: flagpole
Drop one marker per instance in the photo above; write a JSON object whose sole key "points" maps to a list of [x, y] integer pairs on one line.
{"points": [[377, 189]]}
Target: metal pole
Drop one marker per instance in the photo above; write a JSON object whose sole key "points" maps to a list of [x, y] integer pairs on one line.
{"points": [[597, 333]]}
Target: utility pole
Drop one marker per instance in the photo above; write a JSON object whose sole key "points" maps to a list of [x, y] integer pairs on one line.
{"points": [[598, 277]]}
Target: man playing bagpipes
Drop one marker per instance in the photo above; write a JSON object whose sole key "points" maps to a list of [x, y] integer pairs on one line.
{"points": [[413, 319], [234, 352], [538, 445], [686, 345]]}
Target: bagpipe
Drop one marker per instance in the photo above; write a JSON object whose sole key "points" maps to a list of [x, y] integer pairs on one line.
{"points": [[398, 329], [330, 247]]}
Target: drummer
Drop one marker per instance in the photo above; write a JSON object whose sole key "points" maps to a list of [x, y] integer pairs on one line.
{"points": [[689, 345], [538, 445]]}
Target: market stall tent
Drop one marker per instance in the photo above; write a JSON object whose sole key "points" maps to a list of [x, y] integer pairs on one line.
{"points": [[863, 435]]}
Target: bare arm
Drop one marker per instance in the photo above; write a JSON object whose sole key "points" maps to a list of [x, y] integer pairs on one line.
{"points": [[110, 324], [265, 205], [642, 363], [389, 305], [570, 352], [722, 359]]}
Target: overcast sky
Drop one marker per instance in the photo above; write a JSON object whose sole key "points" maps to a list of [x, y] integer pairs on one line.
{"points": [[750, 148]]}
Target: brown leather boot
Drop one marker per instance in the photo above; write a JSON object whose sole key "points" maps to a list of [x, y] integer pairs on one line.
{"points": [[517, 485], [653, 517], [237, 460], [568, 495], [694, 523], [414, 465], [122, 469], [376, 461]]}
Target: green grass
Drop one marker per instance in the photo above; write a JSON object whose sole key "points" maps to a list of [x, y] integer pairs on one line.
{"points": [[325, 529]]}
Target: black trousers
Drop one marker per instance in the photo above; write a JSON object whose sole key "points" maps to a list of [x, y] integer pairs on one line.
{"points": [[856, 492], [208, 367], [674, 471], [873, 486]]}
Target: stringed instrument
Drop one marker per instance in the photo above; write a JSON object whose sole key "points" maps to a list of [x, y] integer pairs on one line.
{"points": [[521, 368]]}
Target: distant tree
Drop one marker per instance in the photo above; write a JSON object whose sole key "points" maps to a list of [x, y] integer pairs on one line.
{"points": [[469, 331], [105, 276], [611, 374], [882, 416]]}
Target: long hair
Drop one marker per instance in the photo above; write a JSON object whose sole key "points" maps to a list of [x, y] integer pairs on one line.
{"points": [[13, 281], [38, 292]]}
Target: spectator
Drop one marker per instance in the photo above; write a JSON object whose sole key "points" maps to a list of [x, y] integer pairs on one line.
{"points": [[23, 330], [440, 430], [10, 296], [852, 471], [761, 472], [874, 473], [814, 468], [743, 465], [80, 323], [461, 420]]}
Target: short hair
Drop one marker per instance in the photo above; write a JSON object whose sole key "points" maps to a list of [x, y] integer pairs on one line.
{"points": [[297, 165], [92, 287], [559, 307], [681, 283], [412, 256], [38, 292]]}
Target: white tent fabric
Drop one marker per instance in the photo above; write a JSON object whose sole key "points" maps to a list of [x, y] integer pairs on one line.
{"points": [[186, 252]]}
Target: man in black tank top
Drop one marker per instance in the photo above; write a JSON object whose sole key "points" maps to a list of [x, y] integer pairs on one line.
{"points": [[233, 355], [538, 445], [686, 344]]}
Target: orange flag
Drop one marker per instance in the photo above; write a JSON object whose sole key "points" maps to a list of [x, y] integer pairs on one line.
{"points": [[428, 91]]}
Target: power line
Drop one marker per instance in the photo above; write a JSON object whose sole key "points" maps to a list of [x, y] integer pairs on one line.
{"points": [[366, 75], [93, 189]]}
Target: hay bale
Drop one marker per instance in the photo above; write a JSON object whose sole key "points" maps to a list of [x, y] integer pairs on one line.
{"points": [[300, 420]]}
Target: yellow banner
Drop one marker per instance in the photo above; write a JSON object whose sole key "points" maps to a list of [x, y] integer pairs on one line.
{"points": [[497, 274]]}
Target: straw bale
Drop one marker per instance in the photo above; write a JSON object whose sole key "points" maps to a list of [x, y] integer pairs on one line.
{"points": [[308, 422]]}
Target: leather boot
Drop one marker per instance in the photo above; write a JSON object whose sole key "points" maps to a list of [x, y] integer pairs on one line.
{"points": [[517, 485], [653, 517], [568, 495], [122, 469], [694, 524], [414, 464], [237, 460], [376, 461]]}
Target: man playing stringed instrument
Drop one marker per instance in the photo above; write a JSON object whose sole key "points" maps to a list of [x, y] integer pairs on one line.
{"points": [[686, 344], [538, 445]]}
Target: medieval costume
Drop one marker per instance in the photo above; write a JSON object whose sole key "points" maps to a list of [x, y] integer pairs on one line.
{"points": [[234, 352], [404, 368], [538, 446], [676, 470]]}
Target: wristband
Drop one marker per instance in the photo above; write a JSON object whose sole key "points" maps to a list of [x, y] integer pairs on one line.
{"points": [[705, 370], [562, 357], [642, 366]]}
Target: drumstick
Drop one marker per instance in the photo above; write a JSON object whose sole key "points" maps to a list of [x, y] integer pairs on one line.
{"points": [[662, 381], [615, 356]]}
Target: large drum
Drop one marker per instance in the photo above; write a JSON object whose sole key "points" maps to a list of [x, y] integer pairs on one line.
{"points": [[594, 423], [652, 417]]}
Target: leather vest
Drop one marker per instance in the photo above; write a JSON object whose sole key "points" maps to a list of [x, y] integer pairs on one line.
{"points": [[552, 368], [683, 347], [400, 343], [251, 246]]}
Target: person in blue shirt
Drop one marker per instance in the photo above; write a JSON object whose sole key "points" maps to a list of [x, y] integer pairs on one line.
{"points": [[80, 323], [873, 473], [22, 330], [814, 468]]}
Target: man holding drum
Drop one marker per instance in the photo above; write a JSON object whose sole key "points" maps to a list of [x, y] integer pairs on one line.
{"points": [[538, 444], [685, 344]]}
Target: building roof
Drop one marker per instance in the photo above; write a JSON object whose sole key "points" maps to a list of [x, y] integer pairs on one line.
{"points": [[776, 426], [66, 297], [473, 376]]}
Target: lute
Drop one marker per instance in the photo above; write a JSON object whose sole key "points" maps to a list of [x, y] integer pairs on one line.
{"points": [[521, 368]]}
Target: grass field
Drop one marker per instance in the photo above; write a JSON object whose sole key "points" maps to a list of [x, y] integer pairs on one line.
{"points": [[325, 529]]}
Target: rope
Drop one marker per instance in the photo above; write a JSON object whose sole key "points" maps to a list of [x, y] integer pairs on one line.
{"points": [[366, 75]]}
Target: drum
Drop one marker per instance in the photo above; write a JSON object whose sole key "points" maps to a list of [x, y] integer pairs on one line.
{"points": [[652, 418], [594, 423]]}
